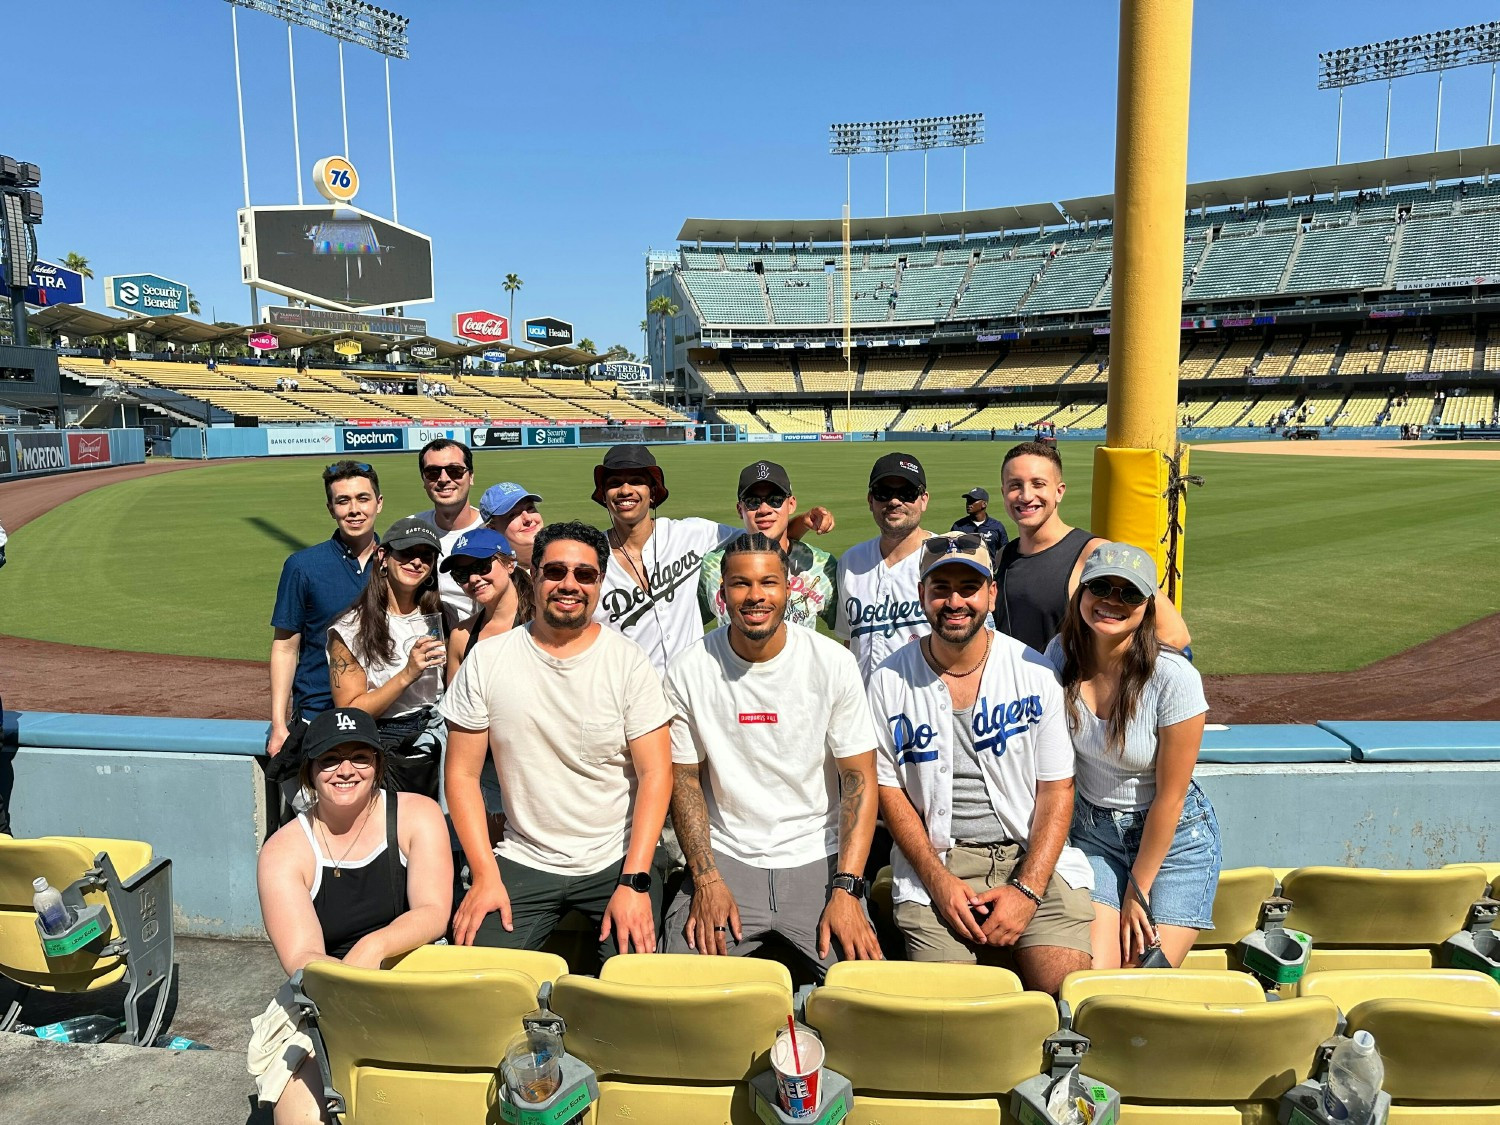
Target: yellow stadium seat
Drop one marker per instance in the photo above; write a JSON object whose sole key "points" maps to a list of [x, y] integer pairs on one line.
{"points": [[132, 887], [1237, 903], [1491, 873], [420, 1042], [1196, 986], [945, 1044], [694, 969], [675, 1052], [1349, 988], [1367, 918], [1176, 1062]]}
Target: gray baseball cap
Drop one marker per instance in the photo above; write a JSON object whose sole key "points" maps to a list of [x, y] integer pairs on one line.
{"points": [[1122, 560]]}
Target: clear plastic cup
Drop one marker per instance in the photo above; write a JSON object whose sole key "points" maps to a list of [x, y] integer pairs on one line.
{"points": [[533, 1066]]}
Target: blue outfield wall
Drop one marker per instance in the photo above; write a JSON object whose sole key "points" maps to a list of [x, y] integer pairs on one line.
{"points": [[1343, 794], [195, 443], [35, 453]]}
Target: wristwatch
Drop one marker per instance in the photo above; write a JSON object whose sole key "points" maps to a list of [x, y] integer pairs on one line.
{"points": [[639, 881], [848, 881]]}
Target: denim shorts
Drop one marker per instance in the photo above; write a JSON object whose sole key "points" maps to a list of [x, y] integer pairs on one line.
{"points": [[1183, 891]]}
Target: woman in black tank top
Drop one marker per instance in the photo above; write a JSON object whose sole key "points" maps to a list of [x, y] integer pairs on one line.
{"points": [[362, 876]]}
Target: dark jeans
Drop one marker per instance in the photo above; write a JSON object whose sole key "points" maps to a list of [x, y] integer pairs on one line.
{"points": [[540, 899]]}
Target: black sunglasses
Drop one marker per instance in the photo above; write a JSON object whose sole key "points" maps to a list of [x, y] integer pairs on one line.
{"points": [[455, 472], [584, 575], [775, 499], [345, 466], [906, 493], [945, 545], [426, 554], [1103, 588], [462, 572]]}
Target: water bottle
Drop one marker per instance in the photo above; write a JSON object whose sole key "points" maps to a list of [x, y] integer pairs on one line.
{"points": [[48, 902], [81, 1029], [1355, 1073], [179, 1043]]}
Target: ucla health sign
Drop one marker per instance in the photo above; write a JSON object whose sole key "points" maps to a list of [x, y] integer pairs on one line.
{"points": [[145, 294], [50, 284]]}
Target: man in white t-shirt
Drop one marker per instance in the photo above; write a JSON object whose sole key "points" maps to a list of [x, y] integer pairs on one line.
{"points": [[878, 607], [447, 468], [976, 784], [773, 793], [579, 729]]}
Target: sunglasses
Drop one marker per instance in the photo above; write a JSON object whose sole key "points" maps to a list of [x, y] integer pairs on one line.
{"points": [[435, 472], [406, 554], [462, 572], [906, 493], [775, 499], [360, 760], [583, 575], [343, 466], [944, 545], [1103, 588]]}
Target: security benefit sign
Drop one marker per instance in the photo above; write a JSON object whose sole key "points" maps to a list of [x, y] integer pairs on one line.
{"points": [[39, 453], [89, 447], [548, 330], [50, 284], [146, 294]]}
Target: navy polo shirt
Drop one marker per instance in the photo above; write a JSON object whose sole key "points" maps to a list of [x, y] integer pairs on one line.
{"points": [[992, 531], [317, 585]]}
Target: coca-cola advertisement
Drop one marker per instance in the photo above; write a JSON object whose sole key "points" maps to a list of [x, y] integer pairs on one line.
{"points": [[481, 327]]}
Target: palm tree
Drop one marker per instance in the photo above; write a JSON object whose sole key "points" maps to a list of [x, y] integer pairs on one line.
{"points": [[513, 282], [645, 346], [586, 345], [78, 264], [194, 308], [663, 308]]}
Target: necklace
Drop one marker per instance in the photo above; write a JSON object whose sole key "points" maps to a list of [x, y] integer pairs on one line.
{"points": [[358, 828], [640, 578], [989, 639]]}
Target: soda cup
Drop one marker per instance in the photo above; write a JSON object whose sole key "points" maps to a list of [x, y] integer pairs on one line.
{"points": [[797, 1087]]}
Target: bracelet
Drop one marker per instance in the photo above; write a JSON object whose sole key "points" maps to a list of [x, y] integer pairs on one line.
{"points": [[1027, 891]]}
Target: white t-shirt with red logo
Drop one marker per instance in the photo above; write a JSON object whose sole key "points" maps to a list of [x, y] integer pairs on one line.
{"points": [[767, 735]]}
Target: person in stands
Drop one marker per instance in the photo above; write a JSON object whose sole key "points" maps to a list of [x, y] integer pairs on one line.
{"points": [[1135, 713], [361, 876]]}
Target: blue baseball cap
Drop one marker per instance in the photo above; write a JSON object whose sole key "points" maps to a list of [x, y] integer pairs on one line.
{"points": [[481, 543], [501, 499]]}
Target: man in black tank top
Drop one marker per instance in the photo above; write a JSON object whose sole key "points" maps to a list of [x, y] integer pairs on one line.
{"points": [[1038, 570]]}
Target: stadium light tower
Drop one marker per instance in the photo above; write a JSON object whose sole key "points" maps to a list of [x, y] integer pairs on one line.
{"points": [[1413, 54], [906, 135], [20, 211]]}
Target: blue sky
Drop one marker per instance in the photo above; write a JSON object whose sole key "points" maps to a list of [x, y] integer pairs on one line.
{"points": [[559, 141]]}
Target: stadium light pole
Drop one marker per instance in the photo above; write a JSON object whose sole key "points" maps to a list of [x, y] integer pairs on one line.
{"points": [[291, 66], [343, 102], [905, 135], [390, 138]]}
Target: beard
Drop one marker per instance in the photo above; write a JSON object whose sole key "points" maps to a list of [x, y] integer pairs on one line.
{"points": [[560, 620], [959, 634], [759, 632]]}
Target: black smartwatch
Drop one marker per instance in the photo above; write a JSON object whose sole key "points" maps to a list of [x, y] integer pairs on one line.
{"points": [[640, 881], [848, 881]]}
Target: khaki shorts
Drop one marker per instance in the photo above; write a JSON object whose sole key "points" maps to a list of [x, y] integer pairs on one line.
{"points": [[1063, 919]]}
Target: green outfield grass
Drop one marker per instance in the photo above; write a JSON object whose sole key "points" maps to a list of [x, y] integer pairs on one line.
{"points": [[1293, 564]]}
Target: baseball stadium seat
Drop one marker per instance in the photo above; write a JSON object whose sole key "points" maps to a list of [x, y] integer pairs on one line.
{"points": [[930, 1042], [1438, 1032], [1196, 986], [1181, 1061], [1367, 918], [421, 1041], [677, 1039], [133, 890], [1237, 903]]}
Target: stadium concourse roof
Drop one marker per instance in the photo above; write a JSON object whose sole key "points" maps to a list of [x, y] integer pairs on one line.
{"points": [[871, 229]]}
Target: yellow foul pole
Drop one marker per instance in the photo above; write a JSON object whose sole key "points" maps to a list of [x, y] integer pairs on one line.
{"points": [[1131, 474]]}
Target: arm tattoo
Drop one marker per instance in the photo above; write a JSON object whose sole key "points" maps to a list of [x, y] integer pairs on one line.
{"points": [[338, 661], [851, 796], [690, 819]]}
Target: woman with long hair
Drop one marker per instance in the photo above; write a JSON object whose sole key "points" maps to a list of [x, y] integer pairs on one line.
{"points": [[386, 654], [361, 876], [1135, 711], [511, 509]]}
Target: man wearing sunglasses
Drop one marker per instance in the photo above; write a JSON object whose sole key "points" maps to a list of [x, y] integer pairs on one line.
{"points": [[766, 504], [317, 585], [976, 784], [578, 723], [447, 469], [878, 608]]}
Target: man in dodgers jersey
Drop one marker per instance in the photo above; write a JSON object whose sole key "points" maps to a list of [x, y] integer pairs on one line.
{"points": [[878, 607], [773, 794], [976, 784]]}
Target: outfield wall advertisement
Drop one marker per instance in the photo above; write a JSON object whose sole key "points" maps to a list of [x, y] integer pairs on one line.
{"points": [[286, 441], [4, 455], [35, 452]]}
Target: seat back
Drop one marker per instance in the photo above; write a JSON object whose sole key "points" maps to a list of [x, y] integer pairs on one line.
{"points": [[1237, 901], [1435, 1053], [423, 1045], [1203, 1054], [924, 979], [953, 1045], [1369, 907], [60, 860], [447, 958], [1351, 987], [694, 969], [1195, 986]]}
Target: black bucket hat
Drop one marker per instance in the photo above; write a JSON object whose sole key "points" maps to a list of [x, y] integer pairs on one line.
{"points": [[630, 459]]}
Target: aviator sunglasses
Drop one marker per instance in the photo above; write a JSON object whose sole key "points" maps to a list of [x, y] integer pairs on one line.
{"points": [[583, 575], [1103, 588], [455, 472], [944, 545]]}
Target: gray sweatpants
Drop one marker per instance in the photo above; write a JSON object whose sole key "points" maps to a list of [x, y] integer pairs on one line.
{"points": [[786, 901]]}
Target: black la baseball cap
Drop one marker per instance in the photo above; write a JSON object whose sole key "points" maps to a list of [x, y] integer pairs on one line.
{"points": [[763, 472], [630, 459], [342, 726], [902, 466]]}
